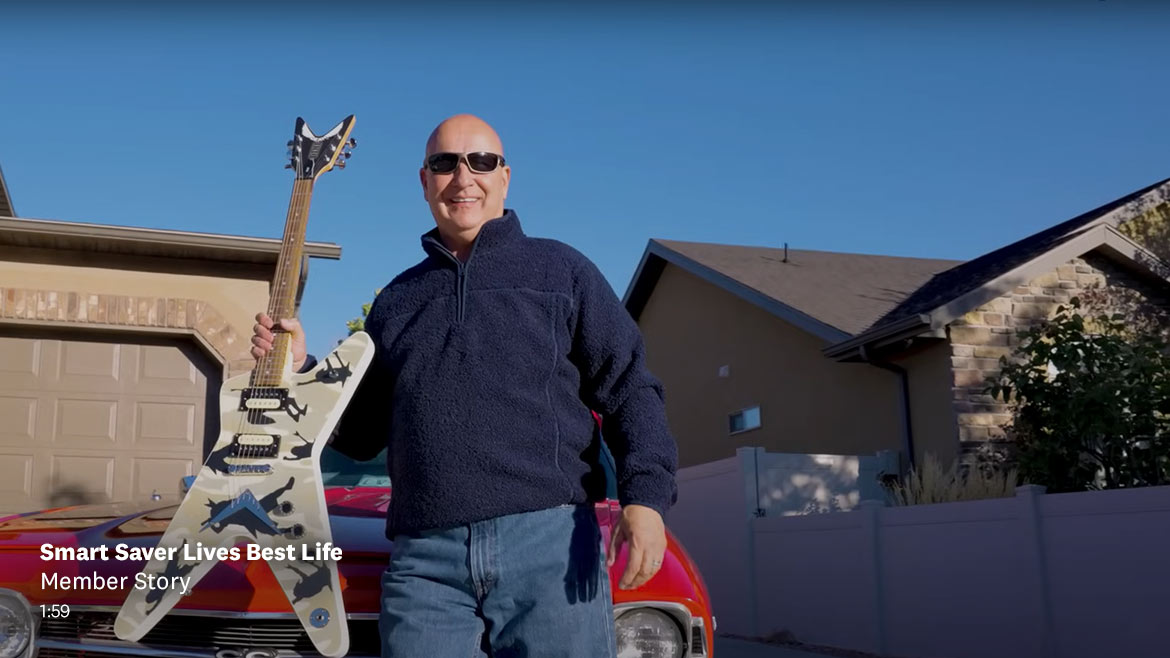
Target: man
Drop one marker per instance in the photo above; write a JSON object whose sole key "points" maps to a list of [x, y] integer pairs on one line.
{"points": [[492, 354]]}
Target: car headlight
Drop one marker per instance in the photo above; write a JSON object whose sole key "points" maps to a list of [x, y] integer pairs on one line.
{"points": [[16, 624], [648, 633]]}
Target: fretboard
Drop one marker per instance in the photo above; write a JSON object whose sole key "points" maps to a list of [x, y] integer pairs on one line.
{"points": [[269, 370]]}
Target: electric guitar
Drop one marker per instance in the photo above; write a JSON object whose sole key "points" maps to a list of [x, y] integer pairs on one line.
{"points": [[261, 484]]}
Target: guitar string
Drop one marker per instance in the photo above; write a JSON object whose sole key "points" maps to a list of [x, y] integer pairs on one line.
{"points": [[262, 379], [298, 211], [262, 384]]}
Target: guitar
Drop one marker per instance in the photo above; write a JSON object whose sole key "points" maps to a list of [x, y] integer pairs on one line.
{"points": [[261, 483]]}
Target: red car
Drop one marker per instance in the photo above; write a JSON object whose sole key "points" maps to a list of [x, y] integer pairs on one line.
{"points": [[239, 611]]}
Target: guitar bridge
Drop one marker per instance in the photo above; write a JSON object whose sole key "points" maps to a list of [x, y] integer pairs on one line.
{"points": [[249, 469]]}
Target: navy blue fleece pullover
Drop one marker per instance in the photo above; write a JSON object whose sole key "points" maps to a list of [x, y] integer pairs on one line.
{"points": [[484, 379]]}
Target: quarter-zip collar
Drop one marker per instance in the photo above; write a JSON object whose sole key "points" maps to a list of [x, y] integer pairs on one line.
{"points": [[492, 235]]}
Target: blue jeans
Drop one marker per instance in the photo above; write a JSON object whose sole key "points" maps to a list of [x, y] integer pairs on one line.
{"points": [[525, 585]]}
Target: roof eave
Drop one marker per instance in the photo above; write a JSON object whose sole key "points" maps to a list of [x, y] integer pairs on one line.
{"points": [[41, 232], [1099, 236], [6, 207], [657, 255], [908, 327], [1096, 236]]}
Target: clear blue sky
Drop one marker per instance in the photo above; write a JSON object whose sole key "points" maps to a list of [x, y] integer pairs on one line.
{"points": [[934, 130]]}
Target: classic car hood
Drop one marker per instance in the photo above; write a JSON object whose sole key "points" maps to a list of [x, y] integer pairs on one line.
{"points": [[357, 518], [356, 514]]}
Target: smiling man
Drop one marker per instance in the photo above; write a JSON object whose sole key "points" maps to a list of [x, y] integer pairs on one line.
{"points": [[492, 355]]}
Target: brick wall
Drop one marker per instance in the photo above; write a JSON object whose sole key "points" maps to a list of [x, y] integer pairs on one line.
{"points": [[981, 337], [71, 308]]}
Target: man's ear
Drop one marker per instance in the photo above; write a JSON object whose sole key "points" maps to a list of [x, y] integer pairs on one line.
{"points": [[507, 172], [422, 178]]}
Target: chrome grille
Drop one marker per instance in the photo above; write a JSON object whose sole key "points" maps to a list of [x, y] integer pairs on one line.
{"points": [[698, 642], [200, 633]]}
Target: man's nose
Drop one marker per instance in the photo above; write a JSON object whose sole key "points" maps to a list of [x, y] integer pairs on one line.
{"points": [[463, 172]]}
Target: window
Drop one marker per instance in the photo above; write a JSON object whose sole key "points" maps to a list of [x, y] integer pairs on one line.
{"points": [[744, 420]]}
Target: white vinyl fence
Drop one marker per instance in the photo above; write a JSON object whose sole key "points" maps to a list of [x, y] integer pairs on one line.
{"points": [[1046, 576]]}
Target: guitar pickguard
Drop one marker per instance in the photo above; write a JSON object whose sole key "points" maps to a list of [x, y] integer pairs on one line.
{"points": [[261, 484]]}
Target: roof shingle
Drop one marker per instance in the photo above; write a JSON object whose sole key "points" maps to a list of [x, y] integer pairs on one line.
{"points": [[846, 291], [968, 276]]}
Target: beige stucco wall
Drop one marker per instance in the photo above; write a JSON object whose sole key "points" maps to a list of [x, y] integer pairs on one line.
{"points": [[237, 291], [808, 403], [932, 415]]}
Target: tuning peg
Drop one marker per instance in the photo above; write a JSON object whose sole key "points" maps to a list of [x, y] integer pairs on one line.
{"points": [[347, 154], [352, 143], [340, 164], [290, 143]]}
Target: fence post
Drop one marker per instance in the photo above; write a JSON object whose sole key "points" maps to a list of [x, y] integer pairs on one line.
{"points": [[872, 526], [1029, 497], [749, 458]]}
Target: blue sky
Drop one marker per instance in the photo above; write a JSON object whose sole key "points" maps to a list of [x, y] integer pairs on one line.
{"points": [[941, 130]]}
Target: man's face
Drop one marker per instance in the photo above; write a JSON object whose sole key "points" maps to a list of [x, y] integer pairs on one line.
{"points": [[462, 200]]}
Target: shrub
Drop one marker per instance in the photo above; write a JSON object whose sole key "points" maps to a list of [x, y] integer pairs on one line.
{"points": [[1090, 401], [930, 483]]}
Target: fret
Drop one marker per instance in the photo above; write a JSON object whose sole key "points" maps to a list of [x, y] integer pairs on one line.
{"points": [[286, 280]]}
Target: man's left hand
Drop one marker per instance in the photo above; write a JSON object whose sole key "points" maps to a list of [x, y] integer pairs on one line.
{"points": [[644, 530]]}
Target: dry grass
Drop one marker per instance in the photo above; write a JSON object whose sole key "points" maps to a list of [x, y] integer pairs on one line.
{"points": [[931, 483]]}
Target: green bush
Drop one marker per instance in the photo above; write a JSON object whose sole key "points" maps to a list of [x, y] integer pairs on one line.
{"points": [[1089, 399]]}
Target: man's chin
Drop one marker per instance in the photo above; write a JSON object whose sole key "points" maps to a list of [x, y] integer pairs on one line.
{"points": [[464, 221]]}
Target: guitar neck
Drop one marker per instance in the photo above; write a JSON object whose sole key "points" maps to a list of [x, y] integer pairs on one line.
{"points": [[270, 369]]}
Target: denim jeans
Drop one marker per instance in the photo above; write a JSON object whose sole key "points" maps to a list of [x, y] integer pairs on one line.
{"points": [[525, 585]]}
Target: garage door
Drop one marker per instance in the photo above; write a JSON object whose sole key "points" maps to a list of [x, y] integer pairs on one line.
{"points": [[97, 418]]}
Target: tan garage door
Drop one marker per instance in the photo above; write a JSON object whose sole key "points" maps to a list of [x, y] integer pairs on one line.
{"points": [[90, 417]]}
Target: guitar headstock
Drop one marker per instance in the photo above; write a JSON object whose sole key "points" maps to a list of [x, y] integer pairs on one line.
{"points": [[312, 155]]}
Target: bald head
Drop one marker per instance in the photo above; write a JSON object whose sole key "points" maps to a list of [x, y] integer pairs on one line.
{"points": [[464, 129], [463, 200]]}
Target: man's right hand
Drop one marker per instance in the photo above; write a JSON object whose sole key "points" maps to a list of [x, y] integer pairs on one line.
{"points": [[263, 336]]}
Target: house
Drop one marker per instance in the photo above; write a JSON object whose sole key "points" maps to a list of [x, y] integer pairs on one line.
{"points": [[5, 200], [816, 352], [114, 342]]}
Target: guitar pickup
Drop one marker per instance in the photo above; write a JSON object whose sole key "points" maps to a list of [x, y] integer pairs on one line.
{"points": [[264, 399], [255, 445], [249, 469]]}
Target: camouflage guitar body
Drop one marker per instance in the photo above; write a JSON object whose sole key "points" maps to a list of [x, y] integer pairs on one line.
{"points": [[261, 484]]}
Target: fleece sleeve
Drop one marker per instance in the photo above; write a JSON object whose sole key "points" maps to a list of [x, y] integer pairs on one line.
{"points": [[608, 351], [364, 428]]}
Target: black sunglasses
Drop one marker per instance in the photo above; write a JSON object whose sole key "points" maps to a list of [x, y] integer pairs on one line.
{"points": [[480, 162]]}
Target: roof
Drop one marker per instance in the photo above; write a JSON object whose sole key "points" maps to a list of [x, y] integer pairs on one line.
{"points": [[5, 200], [974, 273], [834, 295], [53, 234], [956, 291], [859, 301]]}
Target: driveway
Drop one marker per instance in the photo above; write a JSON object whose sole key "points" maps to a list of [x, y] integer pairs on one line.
{"points": [[726, 647]]}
